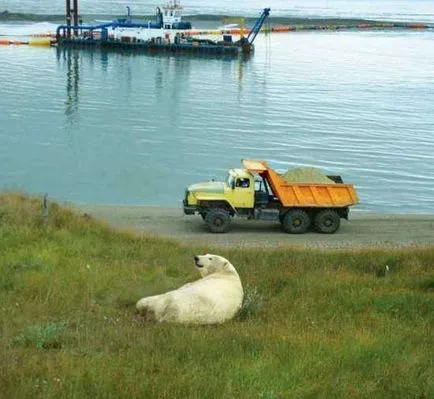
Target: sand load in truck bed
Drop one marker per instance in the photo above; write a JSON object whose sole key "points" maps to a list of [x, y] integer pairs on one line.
{"points": [[306, 175]]}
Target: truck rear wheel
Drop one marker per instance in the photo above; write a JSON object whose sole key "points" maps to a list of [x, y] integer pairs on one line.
{"points": [[218, 220], [296, 221], [327, 221]]}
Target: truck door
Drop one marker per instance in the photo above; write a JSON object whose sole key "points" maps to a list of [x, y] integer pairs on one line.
{"points": [[261, 192], [243, 192]]}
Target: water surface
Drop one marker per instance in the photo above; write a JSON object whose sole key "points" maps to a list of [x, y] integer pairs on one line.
{"points": [[112, 128]]}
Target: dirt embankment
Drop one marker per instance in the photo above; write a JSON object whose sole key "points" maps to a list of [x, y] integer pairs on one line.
{"points": [[361, 231]]}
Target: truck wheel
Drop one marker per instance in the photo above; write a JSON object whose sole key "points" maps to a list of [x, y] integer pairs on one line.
{"points": [[296, 221], [218, 220], [327, 221]]}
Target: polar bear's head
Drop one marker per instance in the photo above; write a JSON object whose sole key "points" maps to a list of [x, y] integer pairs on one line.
{"points": [[209, 263]]}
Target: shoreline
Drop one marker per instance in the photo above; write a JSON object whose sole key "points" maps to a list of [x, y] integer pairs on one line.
{"points": [[364, 230], [209, 20]]}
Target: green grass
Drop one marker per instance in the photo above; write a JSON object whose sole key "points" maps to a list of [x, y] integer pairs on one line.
{"points": [[314, 324]]}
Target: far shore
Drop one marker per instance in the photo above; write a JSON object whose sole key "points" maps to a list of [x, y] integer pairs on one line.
{"points": [[208, 21]]}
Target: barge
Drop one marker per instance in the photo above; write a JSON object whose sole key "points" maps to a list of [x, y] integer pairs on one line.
{"points": [[167, 34]]}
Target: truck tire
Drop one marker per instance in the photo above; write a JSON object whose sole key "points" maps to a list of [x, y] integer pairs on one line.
{"points": [[327, 221], [296, 221], [218, 220]]}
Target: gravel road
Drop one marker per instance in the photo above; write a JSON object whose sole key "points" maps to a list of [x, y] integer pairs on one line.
{"points": [[363, 230]]}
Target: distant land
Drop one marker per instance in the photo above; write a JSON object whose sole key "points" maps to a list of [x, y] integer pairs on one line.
{"points": [[209, 21], [203, 18]]}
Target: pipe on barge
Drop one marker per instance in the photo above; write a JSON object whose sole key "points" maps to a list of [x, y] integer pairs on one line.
{"points": [[292, 28]]}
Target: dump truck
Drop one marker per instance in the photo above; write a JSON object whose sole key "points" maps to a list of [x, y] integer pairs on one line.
{"points": [[256, 191]]}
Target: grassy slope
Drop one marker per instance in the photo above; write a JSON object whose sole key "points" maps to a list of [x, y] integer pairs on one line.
{"points": [[314, 324]]}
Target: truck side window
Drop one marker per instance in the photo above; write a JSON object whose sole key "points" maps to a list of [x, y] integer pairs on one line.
{"points": [[243, 183]]}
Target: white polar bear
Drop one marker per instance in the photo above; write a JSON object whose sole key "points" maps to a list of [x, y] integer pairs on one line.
{"points": [[215, 298]]}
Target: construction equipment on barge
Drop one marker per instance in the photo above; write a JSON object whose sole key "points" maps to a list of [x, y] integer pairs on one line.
{"points": [[168, 33]]}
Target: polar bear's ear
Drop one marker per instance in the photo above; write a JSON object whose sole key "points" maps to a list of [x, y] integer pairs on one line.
{"points": [[226, 263]]}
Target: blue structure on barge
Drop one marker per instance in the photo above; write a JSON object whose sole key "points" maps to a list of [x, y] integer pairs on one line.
{"points": [[168, 33]]}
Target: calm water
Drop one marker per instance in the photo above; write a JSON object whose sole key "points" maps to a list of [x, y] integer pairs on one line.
{"points": [[135, 129]]}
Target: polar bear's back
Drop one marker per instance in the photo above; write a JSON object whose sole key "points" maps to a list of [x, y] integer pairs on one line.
{"points": [[213, 299]]}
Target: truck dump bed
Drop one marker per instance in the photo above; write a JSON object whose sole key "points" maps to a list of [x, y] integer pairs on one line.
{"points": [[312, 195]]}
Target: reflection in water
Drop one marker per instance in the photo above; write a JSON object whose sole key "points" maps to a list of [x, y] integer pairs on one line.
{"points": [[267, 47], [104, 61], [179, 63], [136, 77], [127, 113], [71, 58]]}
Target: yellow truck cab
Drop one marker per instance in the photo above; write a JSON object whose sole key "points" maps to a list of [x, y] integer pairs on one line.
{"points": [[259, 192], [237, 191]]}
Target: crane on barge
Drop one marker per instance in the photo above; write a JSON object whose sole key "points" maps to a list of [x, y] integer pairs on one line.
{"points": [[247, 42]]}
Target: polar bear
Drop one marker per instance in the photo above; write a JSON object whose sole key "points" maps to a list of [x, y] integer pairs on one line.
{"points": [[215, 298]]}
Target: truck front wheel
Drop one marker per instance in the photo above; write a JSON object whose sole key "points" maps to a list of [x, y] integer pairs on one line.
{"points": [[218, 220], [327, 221], [296, 221]]}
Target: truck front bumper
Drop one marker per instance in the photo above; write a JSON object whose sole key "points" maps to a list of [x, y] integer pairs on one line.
{"points": [[189, 209]]}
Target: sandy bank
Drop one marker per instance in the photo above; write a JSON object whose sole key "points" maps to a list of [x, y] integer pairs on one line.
{"points": [[363, 230]]}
